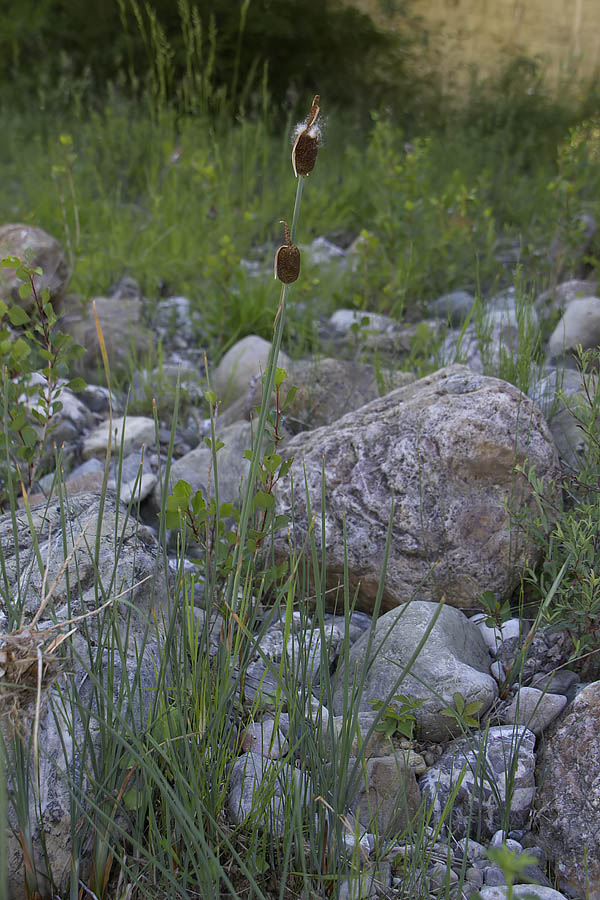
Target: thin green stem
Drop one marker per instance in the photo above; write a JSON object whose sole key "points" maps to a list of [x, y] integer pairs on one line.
{"points": [[299, 188], [269, 382]]}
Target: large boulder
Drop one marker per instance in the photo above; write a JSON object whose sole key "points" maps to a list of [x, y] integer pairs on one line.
{"points": [[46, 253], [86, 553], [453, 659], [568, 799], [439, 456]]}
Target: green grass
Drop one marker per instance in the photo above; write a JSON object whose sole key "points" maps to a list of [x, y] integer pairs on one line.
{"points": [[179, 201]]}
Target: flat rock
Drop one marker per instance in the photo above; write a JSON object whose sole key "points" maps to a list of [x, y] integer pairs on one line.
{"points": [[534, 708], [127, 434], [453, 659], [261, 790], [439, 455]]}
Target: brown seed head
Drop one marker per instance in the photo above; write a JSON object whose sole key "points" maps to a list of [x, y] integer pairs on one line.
{"points": [[306, 145], [287, 259]]}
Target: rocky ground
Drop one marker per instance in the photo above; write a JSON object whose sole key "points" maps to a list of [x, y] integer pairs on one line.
{"points": [[438, 456]]}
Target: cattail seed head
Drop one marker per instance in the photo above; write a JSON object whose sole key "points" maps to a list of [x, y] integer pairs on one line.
{"points": [[287, 259], [306, 144]]}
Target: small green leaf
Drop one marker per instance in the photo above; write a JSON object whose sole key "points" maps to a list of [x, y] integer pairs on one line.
{"points": [[289, 397], [211, 397], [280, 376], [17, 315], [77, 384], [264, 499], [29, 435], [271, 462], [280, 521]]}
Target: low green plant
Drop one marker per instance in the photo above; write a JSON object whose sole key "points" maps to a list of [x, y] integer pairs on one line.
{"points": [[397, 720], [462, 712], [512, 864]]}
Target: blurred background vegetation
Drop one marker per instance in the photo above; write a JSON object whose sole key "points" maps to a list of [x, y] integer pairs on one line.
{"points": [[152, 139]]}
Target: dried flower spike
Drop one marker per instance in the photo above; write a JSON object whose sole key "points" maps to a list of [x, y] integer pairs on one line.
{"points": [[287, 259], [306, 145]]}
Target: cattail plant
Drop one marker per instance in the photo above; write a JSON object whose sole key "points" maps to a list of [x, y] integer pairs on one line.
{"points": [[287, 269]]}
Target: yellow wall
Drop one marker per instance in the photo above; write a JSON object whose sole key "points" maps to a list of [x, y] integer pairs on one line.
{"points": [[478, 33]]}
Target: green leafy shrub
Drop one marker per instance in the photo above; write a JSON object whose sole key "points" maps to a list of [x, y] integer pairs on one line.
{"points": [[36, 362]]}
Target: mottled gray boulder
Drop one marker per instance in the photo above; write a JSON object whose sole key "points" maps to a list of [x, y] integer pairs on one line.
{"points": [[443, 450], [240, 364], [453, 659], [488, 760], [579, 325], [47, 254], [70, 729], [568, 798]]}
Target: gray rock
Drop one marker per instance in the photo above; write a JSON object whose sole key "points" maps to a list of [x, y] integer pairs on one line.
{"points": [[493, 876], [486, 345], [534, 709], [368, 331], [487, 759], [263, 738], [247, 358], [557, 299], [264, 790], [521, 892], [453, 659], [97, 399], [70, 729], [123, 329], [563, 681], [321, 251], [455, 307], [196, 467], [444, 449], [579, 325], [47, 254], [386, 797], [568, 798], [127, 434], [326, 389]]}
